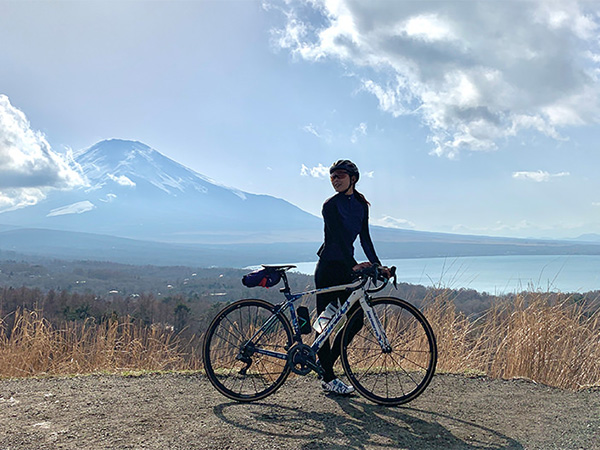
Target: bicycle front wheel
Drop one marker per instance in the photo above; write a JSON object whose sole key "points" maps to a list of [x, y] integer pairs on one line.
{"points": [[400, 373], [232, 349]]}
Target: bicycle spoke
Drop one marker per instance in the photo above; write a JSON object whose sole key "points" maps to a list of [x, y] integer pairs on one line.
{"points": [[265, 372], [374, 340], [372, 364], [234, 326], [233, 344], [413, 362], [406, 372], [400, 382], [376, 377], [387, 386], [359, 362], [230, 356]]}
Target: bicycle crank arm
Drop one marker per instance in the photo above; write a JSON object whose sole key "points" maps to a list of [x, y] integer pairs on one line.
{"points": [[316, 367]]}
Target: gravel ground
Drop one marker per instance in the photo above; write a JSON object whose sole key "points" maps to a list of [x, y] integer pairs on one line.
{"points": [[182, 411]]}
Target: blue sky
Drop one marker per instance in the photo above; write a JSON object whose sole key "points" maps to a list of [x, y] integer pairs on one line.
{"points": [[465, 117]]}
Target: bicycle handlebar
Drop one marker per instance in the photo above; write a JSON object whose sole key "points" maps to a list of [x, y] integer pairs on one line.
{"points": [[374, 273]]}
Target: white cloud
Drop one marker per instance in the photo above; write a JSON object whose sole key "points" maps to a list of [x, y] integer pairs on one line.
{"points": [[370, 174], [319, 171], [29, 168], [392, 222], [428, 27], [310, 128], [75, 208], [595, 203], [109, 198], [360, 130], [11, 199], [121, 180], [538, 176], [474, 72], [319, 132], [520, 228]]}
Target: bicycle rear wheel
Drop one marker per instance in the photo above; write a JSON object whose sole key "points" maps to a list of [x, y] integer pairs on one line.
{"points": [[232, 363], [390, 377]]}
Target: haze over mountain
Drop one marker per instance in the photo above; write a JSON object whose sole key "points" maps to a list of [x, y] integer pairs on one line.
{"points": [[136, 192]]}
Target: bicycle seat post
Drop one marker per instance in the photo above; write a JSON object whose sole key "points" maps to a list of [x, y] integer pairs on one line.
{"points": [[286, 289]]}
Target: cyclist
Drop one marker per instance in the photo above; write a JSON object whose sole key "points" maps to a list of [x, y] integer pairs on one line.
{"points": [[346, 216]]}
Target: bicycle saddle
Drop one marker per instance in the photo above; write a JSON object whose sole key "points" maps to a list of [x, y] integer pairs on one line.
{"points": [[282, 267]]}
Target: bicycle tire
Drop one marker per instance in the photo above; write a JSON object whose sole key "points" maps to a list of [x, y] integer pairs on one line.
{"points": [[395, 377], [226, 335]]}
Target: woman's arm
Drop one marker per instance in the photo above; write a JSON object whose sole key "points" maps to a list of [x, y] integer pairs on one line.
{"points": [[365, 240]]}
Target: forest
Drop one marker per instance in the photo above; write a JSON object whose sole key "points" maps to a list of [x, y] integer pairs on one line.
{"points": [[184, 298]]}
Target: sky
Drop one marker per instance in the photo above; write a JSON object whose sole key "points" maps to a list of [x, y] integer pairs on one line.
{"points": [[470, 117]]}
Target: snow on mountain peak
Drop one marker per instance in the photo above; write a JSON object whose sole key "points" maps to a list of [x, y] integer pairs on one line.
{"points": [[122, 180], [128, 162]]}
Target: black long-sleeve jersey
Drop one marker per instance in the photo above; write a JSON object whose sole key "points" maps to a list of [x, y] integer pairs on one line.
{"points": [[346, 218]]}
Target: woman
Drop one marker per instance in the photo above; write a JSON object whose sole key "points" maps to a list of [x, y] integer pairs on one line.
{"points": [[346, 216]]}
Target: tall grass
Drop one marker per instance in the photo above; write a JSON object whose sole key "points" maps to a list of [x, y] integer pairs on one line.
{"points": [[551, 340], [31, 345], [533, 336]]}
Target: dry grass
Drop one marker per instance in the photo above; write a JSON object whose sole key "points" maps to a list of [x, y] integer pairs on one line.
{"points": [[556, 343], [533, 336], [33, 346]]}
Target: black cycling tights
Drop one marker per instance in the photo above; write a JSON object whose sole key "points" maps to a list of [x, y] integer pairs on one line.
{"points": [[327, 274]]}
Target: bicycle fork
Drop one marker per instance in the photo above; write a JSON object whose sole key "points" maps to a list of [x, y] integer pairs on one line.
{"points": [[376, 326]]}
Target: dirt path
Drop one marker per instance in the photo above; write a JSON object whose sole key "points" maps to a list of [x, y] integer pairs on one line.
{"points": [[184, 412]]}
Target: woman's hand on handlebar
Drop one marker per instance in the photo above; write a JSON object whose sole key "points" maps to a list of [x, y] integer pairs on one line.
{"points": [[383, 270], [375, 272], [361, 266], [386, 272]]}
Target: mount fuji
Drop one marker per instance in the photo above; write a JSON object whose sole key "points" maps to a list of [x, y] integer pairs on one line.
{"points": [[133, 191]]}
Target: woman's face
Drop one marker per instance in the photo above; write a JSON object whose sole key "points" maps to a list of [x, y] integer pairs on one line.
{"points": [[340, 180]]}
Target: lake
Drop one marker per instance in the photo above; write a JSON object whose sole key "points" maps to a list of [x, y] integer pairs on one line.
{"points": [[498, 274]]}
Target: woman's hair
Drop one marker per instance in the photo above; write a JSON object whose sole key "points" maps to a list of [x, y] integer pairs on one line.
{"points": [[361, 198]]}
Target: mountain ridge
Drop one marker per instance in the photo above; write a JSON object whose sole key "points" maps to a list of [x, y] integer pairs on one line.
{"points": [[22, 243]]}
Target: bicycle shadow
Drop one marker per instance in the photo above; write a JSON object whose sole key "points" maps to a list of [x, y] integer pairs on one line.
{"points": [[360, 425], [420, 433]]}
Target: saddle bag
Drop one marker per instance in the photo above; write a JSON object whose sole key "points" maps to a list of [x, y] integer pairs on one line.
{"points": [[263, 277]]}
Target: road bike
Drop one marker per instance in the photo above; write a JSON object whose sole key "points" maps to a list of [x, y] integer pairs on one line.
{"points": [[252, 346]]}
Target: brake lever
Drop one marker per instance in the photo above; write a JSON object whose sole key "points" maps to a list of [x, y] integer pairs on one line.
{"points": [[375, 275]]}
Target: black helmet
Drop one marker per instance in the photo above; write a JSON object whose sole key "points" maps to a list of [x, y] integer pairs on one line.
{"points": [[347, 166]]}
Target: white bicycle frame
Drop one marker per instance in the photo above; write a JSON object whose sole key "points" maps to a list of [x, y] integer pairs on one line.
{"points": [[357, 294]]}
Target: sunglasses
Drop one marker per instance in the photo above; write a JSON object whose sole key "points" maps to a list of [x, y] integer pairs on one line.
{"points": [[338, 176]]}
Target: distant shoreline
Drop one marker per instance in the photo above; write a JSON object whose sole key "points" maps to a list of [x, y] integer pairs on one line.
{"points": [[499, 274]]}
